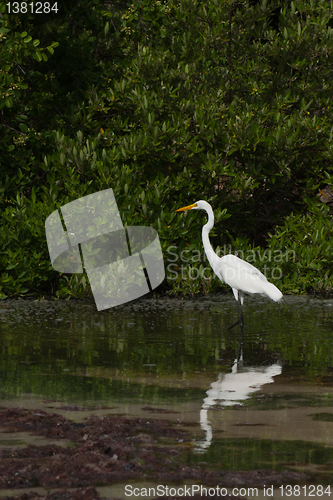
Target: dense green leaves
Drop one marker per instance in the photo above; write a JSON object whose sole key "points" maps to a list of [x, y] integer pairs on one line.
{"points": [[168, 104]]}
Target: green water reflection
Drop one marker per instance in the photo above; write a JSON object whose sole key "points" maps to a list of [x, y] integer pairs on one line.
{"points": [[282, 400], [170, 352], [43, 343], [251, 454]]}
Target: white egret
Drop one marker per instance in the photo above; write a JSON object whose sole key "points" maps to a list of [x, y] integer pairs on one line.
{"points": [[237, 273]]}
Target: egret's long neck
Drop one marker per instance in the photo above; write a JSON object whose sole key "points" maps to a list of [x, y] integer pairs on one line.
{"points": [[205, 235]]}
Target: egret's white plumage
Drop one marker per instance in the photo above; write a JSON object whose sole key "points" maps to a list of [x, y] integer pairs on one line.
{"points": [[237, 273]]}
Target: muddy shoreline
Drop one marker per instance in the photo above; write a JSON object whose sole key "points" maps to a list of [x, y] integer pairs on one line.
{"points": [[108, 450]]}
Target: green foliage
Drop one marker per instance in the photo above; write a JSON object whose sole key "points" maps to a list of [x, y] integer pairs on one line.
{"points": [[307, 244], [24, 259], [150, 204], [167, 104]]}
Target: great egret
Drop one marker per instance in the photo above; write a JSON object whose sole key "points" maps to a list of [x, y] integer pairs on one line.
{"points": [[237, 273]]}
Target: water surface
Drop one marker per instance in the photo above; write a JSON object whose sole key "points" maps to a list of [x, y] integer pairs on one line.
{"points": [[275, 410]]}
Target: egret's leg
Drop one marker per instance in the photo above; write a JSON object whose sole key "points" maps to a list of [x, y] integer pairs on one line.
{"points": [[240, 309], [239, 296], [235, 291], [241, 317], [231, 327]]}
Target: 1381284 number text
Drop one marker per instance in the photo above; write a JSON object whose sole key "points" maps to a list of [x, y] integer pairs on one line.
{"points": [[310, 490], [32, 7]]}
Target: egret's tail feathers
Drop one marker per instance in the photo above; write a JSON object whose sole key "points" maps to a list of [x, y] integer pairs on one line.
{"points": [[273, 292]]}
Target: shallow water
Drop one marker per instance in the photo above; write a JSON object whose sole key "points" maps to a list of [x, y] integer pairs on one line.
{"points": [[275, 410]]}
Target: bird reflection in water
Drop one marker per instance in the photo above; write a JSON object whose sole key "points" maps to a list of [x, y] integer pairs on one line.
{"points": [[232, 389]]}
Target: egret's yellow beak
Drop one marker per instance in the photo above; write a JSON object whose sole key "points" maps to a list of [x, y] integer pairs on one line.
{"points": [[189, 207]]}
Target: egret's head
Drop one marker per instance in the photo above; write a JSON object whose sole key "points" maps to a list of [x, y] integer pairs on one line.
{"points": [[201, 204]]}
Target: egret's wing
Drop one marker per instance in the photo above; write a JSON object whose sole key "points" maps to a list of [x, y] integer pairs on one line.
{"points": [[238, 265], [241, 275]]}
